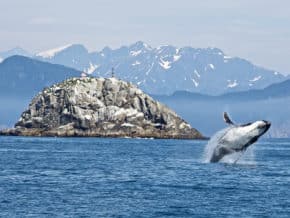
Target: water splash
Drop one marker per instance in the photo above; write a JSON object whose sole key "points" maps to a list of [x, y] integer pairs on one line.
{"points": [[212, 143], [247, 157], [241, 158]]}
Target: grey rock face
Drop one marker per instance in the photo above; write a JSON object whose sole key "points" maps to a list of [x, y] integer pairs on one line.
{"points": [[99, 107]]}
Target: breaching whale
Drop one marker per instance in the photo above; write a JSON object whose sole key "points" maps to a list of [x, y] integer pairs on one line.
{"points": [[237, 138]]}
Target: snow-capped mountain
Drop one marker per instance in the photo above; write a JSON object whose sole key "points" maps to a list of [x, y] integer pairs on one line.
{"points": [[166, 69], [52, 52], [72, 55]]}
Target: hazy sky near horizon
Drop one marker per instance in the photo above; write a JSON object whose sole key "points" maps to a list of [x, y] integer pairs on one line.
{"points": [[257, 30]]}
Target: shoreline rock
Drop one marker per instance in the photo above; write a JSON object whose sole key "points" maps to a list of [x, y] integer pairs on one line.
{"points": [[98, 107]]}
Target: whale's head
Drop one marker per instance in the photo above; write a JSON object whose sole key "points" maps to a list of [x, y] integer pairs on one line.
{"points": [[263, 126], [248, 134], [255, 129]]}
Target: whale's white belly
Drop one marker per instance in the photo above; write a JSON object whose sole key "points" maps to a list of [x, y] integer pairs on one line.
{"points": [[234, 139]]}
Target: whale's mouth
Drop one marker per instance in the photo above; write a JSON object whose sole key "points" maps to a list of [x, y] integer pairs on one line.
{"points": [[266, 126]]}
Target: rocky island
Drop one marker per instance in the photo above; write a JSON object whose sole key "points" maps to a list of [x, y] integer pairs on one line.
{"points": [[98, 107]]}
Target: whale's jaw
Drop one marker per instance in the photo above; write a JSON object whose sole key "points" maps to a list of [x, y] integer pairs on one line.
{"points": [[267, 127]]}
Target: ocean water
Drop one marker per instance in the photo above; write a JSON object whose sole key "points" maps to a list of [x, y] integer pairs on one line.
{"points": [[93, 177]]}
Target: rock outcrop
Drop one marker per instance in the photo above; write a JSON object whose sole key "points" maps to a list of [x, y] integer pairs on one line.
{"points": [[99, 107]]}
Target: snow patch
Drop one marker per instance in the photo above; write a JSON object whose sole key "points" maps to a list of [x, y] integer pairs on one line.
{"points": [[52, 52], [91, 68], [255, 79], [176, 57], [165, 64], [135, 53], [195, 83], [232, 84], [160, 48], [146, 46], [1, 59], [196, 73], [136, 63], [211, 66]]}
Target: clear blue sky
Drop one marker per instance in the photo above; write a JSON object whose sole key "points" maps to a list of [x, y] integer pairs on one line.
{"points": [[258, 30]]}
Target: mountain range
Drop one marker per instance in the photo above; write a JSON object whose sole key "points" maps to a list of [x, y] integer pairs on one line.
{"points": [[14, 51], [276, 90], [23, 76], [165, 69], [271, 103], [199, 84]]}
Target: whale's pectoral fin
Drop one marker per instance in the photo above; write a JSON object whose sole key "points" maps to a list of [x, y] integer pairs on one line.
{"points": [[227, 119]]}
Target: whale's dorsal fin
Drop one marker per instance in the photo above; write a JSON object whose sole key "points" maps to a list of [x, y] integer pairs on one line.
{"points": [[227, 119]]}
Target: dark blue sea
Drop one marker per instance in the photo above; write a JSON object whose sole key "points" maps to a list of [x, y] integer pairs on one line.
{"points": [[93, 177]]}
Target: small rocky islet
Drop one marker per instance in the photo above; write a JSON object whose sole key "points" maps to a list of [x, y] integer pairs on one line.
{"points": [[99, 107]]}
